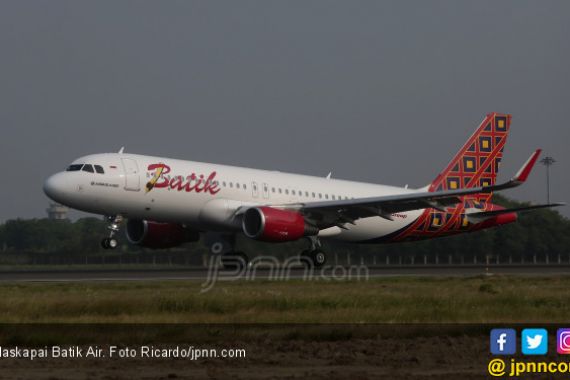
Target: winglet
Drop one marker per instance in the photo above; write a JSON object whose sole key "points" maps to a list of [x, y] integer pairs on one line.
{"points": [[121, 150], [524, 172], [519, 178]]}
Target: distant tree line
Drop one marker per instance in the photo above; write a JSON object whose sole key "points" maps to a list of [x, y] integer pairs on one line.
{"points": [[541, 232]]}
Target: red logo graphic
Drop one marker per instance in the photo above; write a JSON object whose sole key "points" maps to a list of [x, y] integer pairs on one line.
{"points": [[193, 182]]}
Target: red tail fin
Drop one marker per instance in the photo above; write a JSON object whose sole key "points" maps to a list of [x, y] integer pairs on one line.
{"points": [[477, 162]]}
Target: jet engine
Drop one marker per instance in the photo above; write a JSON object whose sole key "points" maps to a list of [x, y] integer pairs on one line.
{"points": [[158, 235], [275, 225]]}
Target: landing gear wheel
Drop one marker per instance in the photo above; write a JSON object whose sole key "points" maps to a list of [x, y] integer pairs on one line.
{"points": [[113, 225], [234, 261], [109, 243], [113, 243], [319, 258], [314, 259]]}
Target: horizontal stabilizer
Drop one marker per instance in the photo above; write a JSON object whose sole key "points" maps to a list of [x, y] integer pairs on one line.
{"points": [[482, 215]]}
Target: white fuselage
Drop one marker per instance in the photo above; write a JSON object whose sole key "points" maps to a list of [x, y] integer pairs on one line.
{"points": [[208, 203]]}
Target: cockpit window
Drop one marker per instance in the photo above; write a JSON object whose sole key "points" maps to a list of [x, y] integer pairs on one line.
{"points": [[99, 169], [74, 168], [88, 168]]}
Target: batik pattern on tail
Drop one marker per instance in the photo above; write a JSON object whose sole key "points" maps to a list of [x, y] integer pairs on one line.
{"points": [[476, 164]]}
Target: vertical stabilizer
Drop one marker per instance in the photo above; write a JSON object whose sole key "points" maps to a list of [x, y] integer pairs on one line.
{"points": [[477, 162]]}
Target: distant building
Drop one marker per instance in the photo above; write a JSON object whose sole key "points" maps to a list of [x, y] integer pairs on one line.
{"points": [[56, 211]]}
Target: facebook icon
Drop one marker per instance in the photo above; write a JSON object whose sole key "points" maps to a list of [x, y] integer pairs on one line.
{"points": [[503, 341]]}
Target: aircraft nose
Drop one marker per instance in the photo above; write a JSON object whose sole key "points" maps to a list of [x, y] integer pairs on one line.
{"points": [[54, 187]]}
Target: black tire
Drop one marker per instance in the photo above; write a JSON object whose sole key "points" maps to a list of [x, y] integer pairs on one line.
{"points": [[313, 259], [235, 261], [319, 258]]}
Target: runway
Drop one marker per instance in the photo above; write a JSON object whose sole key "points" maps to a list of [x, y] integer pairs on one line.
{"points": [[336, 273]]}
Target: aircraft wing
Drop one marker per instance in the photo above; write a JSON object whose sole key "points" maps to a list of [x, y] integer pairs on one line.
{"points": [[338, 213]]}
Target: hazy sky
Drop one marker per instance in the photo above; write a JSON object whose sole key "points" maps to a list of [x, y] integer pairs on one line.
{"points": [[379, 91]]}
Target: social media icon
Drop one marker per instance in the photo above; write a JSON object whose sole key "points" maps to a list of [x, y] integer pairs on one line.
{"points": [[534, 341], [503, 341], [563, 341]]}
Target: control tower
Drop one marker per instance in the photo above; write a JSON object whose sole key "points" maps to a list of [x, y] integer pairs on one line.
{"points": [[56, 211]]}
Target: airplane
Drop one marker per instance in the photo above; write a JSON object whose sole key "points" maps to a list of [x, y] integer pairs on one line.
{"points": [[168, 202]]}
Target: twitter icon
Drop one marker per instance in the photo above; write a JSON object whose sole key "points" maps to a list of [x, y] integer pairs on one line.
{"points": [[534, 342]]}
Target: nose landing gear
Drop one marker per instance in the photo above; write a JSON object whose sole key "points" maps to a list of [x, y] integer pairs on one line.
{"points": [[113, 227]]}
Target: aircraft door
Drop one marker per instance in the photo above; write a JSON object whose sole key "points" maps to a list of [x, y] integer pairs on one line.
{"points": [[254, 190], [265, 190], [132, 178]]}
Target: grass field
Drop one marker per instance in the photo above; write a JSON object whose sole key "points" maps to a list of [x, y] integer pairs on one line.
{"points": [[393, 300]]}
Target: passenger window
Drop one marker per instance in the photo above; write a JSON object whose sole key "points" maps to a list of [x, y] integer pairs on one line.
{"points": [[313, 195], [326, 196], [224, 183], [307, 194], [232, 185], [320, 195], [244, 186], [237, 185], [293, 192], [88, 168], [287, 191], [272, 189], [334, 197], [99, 169], [74, 168], [280, 191]]}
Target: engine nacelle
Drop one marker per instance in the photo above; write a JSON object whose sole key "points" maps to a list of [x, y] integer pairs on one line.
{"points": [[275, 225], [158, 235]]}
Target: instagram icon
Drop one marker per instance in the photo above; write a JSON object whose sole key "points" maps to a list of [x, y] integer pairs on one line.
{"points": [[563, 341]]}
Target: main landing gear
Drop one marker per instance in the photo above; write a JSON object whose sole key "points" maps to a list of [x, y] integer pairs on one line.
{"points": [[113, 227], [313, 257]]}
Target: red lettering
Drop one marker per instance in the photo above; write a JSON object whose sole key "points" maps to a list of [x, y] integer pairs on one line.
{"points": [[200, 185], [162, 181], [176, 183], [211, 184], [190, 183], [189, 187]]}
